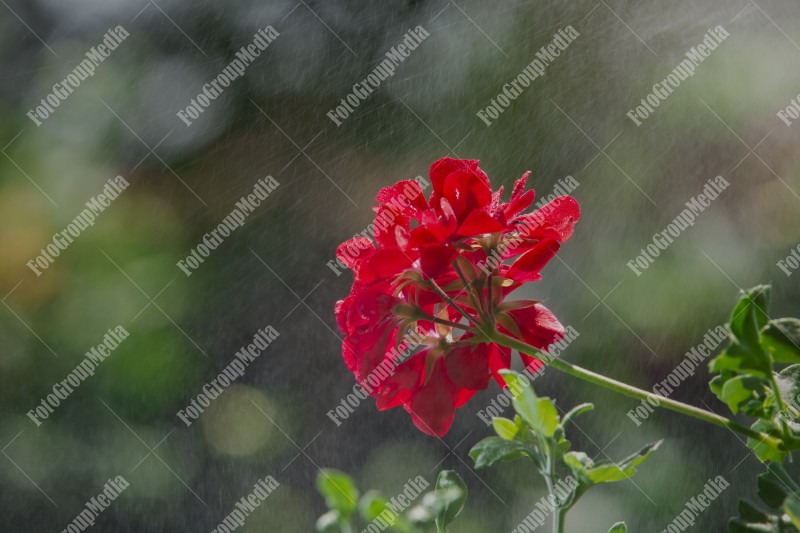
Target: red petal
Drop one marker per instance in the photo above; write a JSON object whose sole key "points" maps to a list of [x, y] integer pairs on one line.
{"points": [[445, 166], [519, 186], [468, 367], [387, 221], [341, 310], [499, 359], [538, 325], [479, 222], [433, 407], [368, 309], [466, 192], [384, 263], [398, 388], [354, 250], [402, 196], [436, 259], [463, 396], [520, 201], [527, 267], [556, 219], [462, 182]]}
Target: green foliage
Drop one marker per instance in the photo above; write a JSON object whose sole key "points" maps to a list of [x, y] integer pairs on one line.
{"points": [[619, 527], [339, 491], [748, 381], [590, 473], [778, 492], [453, 494], [434, 512], [538, 433]]}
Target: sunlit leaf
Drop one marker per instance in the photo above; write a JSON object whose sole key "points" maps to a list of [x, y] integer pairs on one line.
{"points": [[540, 413], [505, 428], [781, 338], [338, 489]]}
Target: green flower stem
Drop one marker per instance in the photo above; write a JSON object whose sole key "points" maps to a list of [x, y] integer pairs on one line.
{"points": [[437, 320], [633, 392], [551, 479], [781, 406], [470, 291]]}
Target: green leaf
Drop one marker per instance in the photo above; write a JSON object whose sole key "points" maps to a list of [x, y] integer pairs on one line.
{"points": [[739, 358], [774, 489], [580, 464], [750, 315], [372, 504], [574, 412], [639, 457], [771, 489], [505, 428], [453, 491], [751, 513], [619, 527], [587, 471], [745, 393], [338, 489], [606, 473], [493, 449], [781, 338], [562, 447], [788, 381], [792, 508], [540, 413], [764, 450]]}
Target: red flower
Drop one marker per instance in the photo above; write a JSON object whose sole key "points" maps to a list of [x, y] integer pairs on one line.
{"points": [[435, 280]]}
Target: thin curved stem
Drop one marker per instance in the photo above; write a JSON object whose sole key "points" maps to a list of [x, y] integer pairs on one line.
{"points": [[470, 290], [450, 323], [450, 301], [633, 392]]}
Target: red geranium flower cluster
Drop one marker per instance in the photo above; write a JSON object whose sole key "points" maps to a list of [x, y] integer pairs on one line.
{"points": [[434, 283]]}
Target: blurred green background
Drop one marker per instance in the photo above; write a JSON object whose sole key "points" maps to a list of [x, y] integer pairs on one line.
{"points": [[185, 180]]}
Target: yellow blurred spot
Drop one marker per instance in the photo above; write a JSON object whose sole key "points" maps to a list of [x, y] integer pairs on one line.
{"points": [[235, 423]]}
